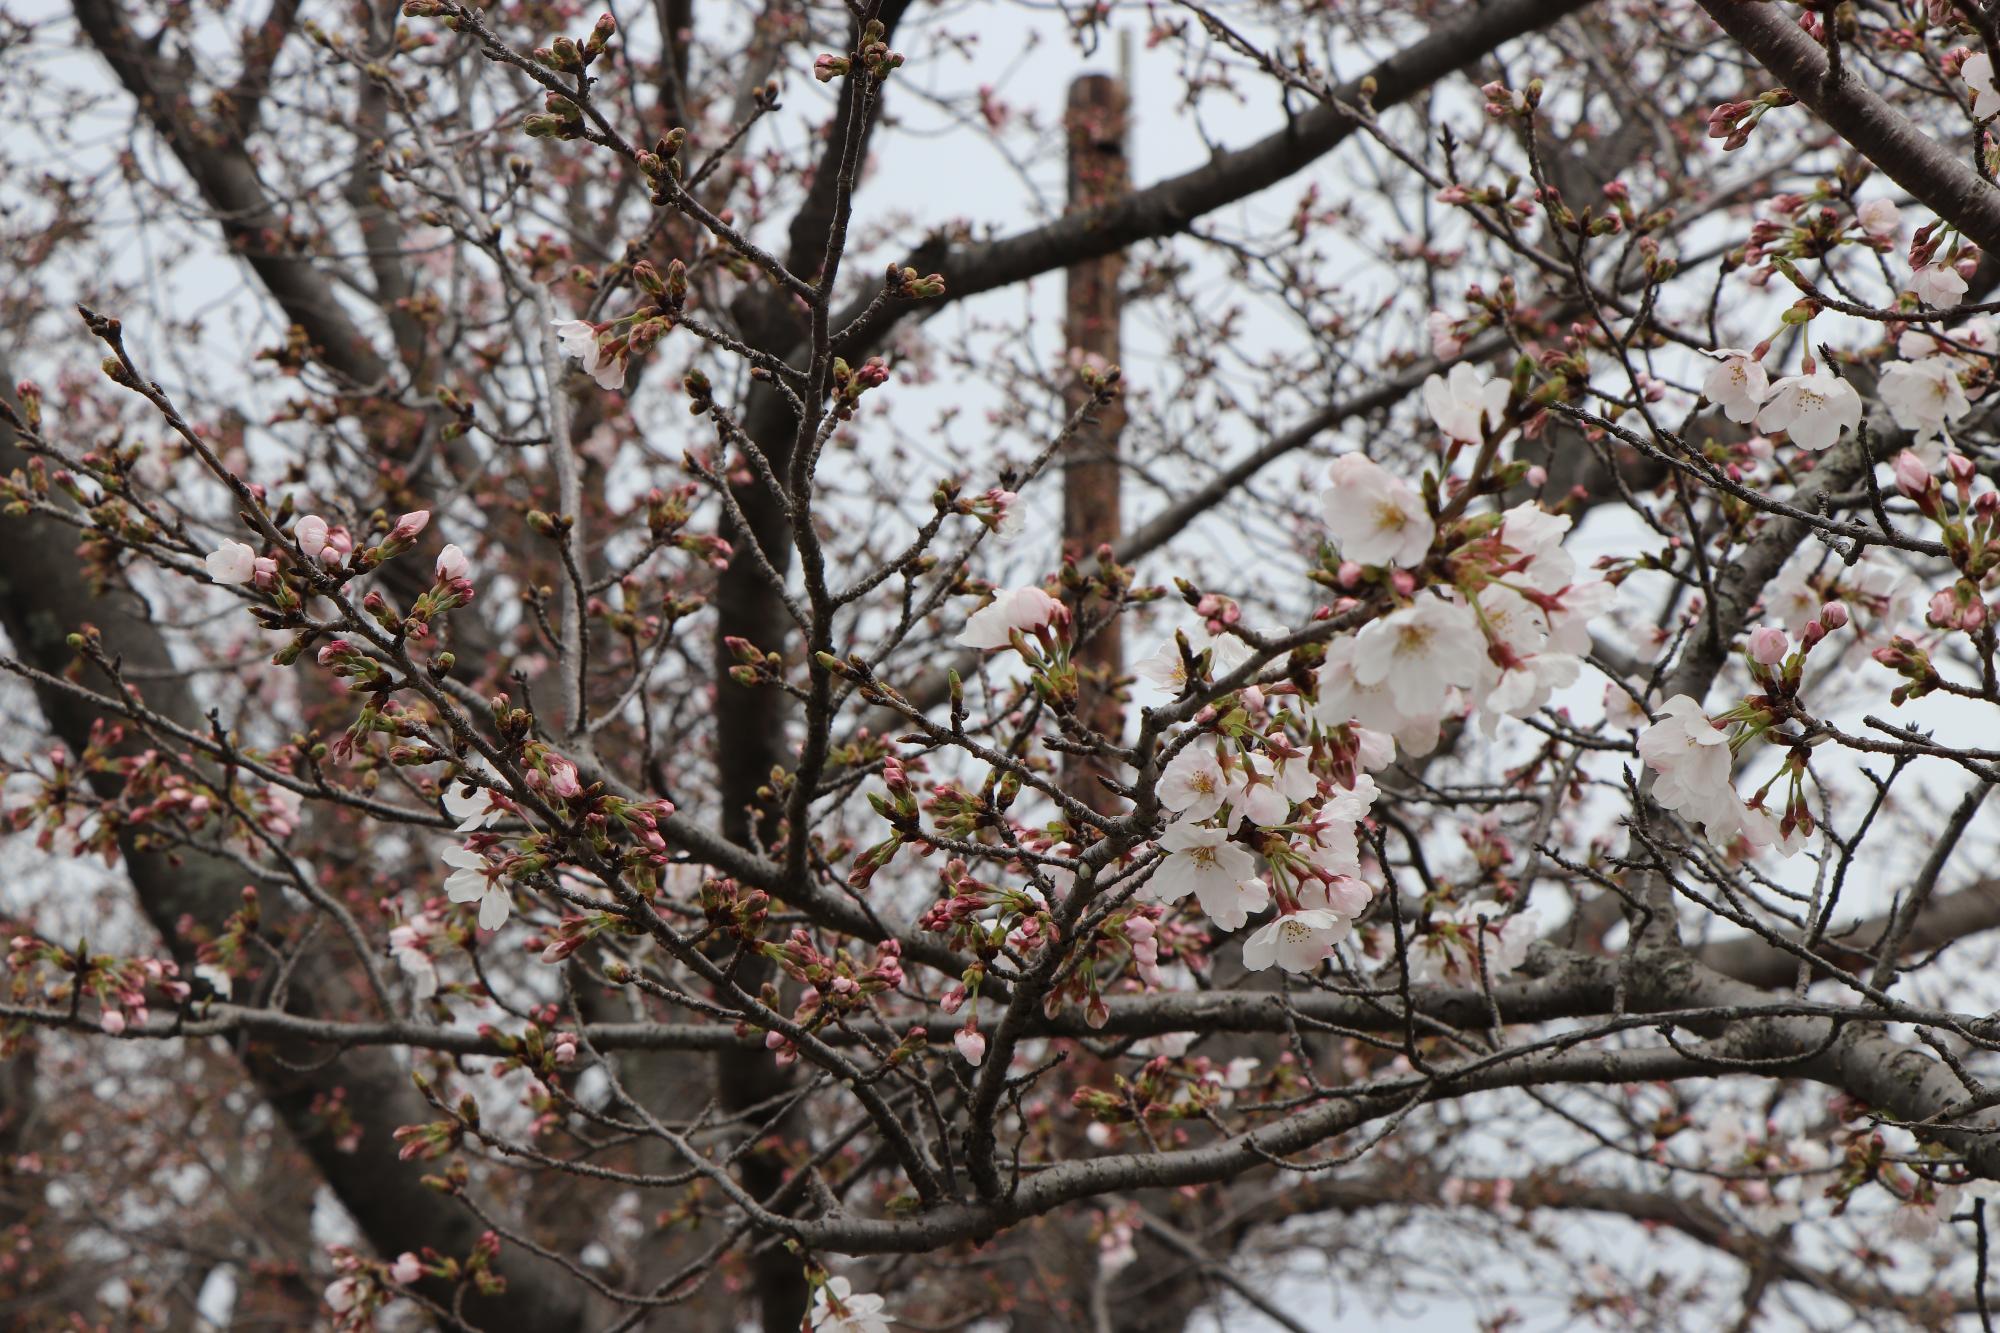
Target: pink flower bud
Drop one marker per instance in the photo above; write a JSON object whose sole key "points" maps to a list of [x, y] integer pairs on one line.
{"points": [[1912, 477], [407, 1268], [452, 565], [310, 534], [1767, 645], [971, 1044], [409, 525], [1833, 616]]}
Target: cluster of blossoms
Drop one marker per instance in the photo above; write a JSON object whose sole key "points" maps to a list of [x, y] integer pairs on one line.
{"points": [[329, 546], [1463, 615], [1501, 624], [1812, 408], [1692, 758]]}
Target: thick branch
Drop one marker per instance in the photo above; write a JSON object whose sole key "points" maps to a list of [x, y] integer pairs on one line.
{"points": [[1885, 136]]}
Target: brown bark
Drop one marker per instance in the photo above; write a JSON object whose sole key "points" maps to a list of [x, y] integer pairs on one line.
{"points": [[1092, 515]]}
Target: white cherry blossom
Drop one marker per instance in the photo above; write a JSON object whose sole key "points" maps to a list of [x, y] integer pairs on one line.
{"points": [[1025, 609], [1737, 384], [836, 1309], [1527, 686], [1812, 409], [1332, 845], [474, 879], [406, 944], [1467, 403], [1166, 669], [1538, 536], [1621, 710], [310, 532], [474, 807], [1297, 941], [1450, 953], [1346, 894], [1374, 518], [1691, 758], [1231, 906], [578, 338], [1924, 396], [1198, 856], [1977, 72], [1193, 785], [1343, 699], [1582, 603], [1419, 652]]}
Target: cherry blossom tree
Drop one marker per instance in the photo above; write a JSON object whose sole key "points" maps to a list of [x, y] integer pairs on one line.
{"points": [[566, 770]]}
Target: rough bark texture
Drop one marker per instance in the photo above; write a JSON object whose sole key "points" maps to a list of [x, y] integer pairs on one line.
{"points": [[1092, 515]]}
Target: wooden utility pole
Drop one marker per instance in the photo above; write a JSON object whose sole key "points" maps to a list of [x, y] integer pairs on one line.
{"points": [[1096, 119]]}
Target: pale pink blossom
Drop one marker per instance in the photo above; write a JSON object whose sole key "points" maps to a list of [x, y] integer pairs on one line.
{"points": [[1691, 758], [407, 945], [474, 807], [1344, 699], [1880, 218], [1924, 396], [1230, 906], [1452, 951], [971, 1044], [1025, 609], [231, 562], [1348, 895], [1621, 710], [310, 533], [1938, 285], [1166, 668], [1419, 652], [1445, 344], [579, 338], [564, 780], [343, 1294]]}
